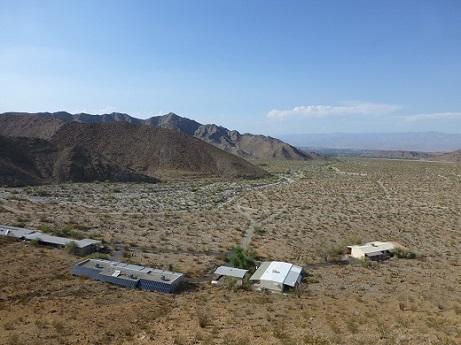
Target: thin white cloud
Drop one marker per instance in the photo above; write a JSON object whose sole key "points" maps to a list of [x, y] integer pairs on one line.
{"points": [[343, 109], [432, 116]]}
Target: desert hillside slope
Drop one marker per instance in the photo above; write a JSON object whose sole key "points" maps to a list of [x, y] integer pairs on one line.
{"points": [[249, 146], [454, 156], [32, 161], [154, 151]]}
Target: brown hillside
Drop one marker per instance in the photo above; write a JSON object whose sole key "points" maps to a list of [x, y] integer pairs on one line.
{"points": [[454, 156], [249, 146], [42, 125], [154, 151], [31, 161]]}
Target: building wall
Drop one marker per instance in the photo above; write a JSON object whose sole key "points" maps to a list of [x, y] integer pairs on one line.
{"points": [[270, 285], [357, 253]]}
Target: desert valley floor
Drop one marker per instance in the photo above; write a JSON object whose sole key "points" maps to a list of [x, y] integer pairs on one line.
{"points": [[190, 225]]}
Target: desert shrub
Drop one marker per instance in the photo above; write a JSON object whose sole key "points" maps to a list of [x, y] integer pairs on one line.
{"points": [[402, 253], [72, 248], [35, 242], [59, 326], [315, 340], [331, 252], [352, 326], [66, 231], [14, 339], [259, 230], [242, 258], [203, 318], [97, 255]]}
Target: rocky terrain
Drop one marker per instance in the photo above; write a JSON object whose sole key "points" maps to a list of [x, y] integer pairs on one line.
{"points": [[115, 151], [28, 161], [454, 156], [154, 151], [302, 214], [249, 146]]}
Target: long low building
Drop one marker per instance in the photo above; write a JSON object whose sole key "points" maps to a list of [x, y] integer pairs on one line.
{"points": [[83, 247], [128, 275], [277, 276]]}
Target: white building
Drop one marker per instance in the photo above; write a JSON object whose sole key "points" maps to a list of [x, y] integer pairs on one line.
{"points": [[373, 250], [277, 276]]}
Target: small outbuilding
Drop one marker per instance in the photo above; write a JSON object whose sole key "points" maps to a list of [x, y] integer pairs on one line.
{"points": [[375, 251], [277, 276], [129, 275], [225, 273]]}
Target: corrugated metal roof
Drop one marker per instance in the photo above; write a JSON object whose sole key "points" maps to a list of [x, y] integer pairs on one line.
{"points": [[87, 242], [11, 231], [377, 246], [28, 234], [130, 271], [278, 272], [293, 276], [260, 271], [230, 272], [62, 241]]}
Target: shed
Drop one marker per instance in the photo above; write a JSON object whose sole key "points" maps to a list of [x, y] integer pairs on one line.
{"points": [[223, 273], [277, 276]]}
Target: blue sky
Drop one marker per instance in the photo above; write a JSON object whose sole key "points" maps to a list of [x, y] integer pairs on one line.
{"points": [[260, 66]]}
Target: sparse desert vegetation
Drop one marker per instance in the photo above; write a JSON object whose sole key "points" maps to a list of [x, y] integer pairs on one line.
{"points": [[304, 214]]}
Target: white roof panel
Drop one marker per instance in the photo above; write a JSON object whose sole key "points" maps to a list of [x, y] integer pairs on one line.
{"points": [[293, 276], [277, 271], [230, 272]]}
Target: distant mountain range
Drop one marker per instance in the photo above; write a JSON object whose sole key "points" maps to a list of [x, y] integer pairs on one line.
{"points": [[421, 142], [248, 146]]}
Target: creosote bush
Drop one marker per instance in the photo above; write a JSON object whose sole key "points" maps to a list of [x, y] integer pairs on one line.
{"points": [[242, 258], [402, 253]]}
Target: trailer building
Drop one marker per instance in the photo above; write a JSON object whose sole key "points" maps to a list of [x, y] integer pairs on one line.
{"points": [[130, 276], [277, 276], [83, 247], [376, 250]]}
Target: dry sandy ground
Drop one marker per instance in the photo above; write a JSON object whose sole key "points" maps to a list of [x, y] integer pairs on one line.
{"points": [[191, 226]]}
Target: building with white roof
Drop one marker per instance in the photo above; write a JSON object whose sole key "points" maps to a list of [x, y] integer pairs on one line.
{"points": [[223, 273], [277, 276], [372, 250]]}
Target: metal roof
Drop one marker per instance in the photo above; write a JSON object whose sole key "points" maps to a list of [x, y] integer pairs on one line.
{"points": [[279, 272], [260, 271], [12, 231], [293, 276], [28, 234], [62, 241], [230, 272], [129, 271], [87, 242], [374, 247]]}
